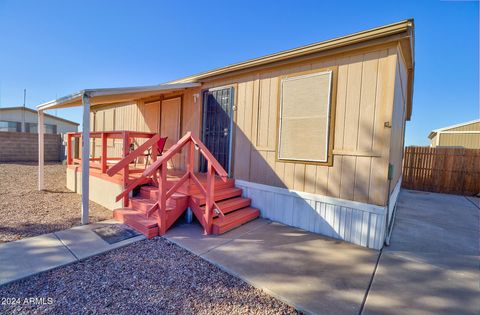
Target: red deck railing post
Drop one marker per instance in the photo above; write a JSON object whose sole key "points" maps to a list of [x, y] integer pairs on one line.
{"points": [[154, 152], [159, 167], [80, 145], [162, 199], [104, 153], [209, 198], [69, 149], [190, 160], [126, 149]]}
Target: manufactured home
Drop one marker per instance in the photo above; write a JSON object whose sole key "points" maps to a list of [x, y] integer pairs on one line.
{"points": [[24, 119], [311, 137], [18, 139], [464, 135]]}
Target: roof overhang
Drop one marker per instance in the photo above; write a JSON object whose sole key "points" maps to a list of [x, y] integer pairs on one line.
{"points": [[114, 95], [440, 130], [400, 28], [400, 32], [20, 108]]}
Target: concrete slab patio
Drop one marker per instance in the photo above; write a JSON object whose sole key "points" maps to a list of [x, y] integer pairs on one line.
{"points": [[310, 272], [33, 255], [432, 265]]}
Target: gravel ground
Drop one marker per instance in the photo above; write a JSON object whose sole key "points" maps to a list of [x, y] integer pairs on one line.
{"points": [[25, 211], [147, 277]]}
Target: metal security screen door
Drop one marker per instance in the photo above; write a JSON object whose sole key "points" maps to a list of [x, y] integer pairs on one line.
{"points": [[217, 126]]}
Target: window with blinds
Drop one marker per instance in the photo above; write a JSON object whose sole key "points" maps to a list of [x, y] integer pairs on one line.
{"points": [[32, 128], [10, 126], [304, 117]]}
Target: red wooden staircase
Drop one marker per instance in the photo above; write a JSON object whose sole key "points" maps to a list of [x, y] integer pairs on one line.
{"points": [[161, 200]]}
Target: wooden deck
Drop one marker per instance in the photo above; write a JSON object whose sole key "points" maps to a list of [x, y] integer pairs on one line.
{"points": [[154, 196], [173, 176]]}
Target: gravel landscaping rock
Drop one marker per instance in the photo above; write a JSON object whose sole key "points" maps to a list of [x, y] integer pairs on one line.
{"points": [[25, 211], [148, 277]]}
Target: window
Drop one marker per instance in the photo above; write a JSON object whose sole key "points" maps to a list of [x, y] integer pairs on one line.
{"points": [[10, 126], [52, 129], [32, 128], [305, 117]]}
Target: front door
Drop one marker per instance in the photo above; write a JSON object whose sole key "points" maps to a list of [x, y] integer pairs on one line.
{"points": [[217, 125]]}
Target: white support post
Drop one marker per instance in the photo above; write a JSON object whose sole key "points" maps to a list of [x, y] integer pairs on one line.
{"points": [[41, 149], [85, 157]]}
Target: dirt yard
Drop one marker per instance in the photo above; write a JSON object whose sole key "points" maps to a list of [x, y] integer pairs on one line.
{"points": [[149, 277], [25, 211]]}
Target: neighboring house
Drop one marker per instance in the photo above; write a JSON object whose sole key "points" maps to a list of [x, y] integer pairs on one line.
{"points": [[24, 119], [466, 135], [313, 135], [19, 138]]}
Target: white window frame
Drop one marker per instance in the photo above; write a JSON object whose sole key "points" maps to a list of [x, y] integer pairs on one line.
{"points": [[329, 107]]}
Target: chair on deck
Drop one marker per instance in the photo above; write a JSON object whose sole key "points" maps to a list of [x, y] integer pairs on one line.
{"points": [[160, 146]]}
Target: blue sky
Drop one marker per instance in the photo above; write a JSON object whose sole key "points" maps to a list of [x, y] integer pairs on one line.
{"points": [[54, 48]]}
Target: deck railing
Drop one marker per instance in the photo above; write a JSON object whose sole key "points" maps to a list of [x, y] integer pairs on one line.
{"points": [[127, 155], [157, 174]]}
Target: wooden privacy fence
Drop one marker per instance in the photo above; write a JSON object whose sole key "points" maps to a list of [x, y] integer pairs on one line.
{"points": [[444, 170]]}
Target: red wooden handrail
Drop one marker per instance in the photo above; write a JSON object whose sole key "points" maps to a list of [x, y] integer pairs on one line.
{"points": [[160, 167], [127, 156], [178, 146], [167, 155], [133, 155], [210, 158]]}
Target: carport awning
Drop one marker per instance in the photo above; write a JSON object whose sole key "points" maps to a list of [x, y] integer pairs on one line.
{"points": [[114, 95], [86, 99]]}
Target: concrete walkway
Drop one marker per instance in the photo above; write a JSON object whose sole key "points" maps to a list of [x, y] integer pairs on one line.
{"points": [[432, 265], [310, 272], [33, 255]]}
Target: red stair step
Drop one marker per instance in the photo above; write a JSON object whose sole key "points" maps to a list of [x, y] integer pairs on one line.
{"points": [[143, 205], [221, 194], [234, 220], [148, 192], [219, 184], [118, 214], [151, 192], [147, 227], [137, 221], [229, 205]]}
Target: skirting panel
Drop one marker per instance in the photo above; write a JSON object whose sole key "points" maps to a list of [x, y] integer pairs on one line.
{"points": [[101, 191], [355, 222], [393, 199]]}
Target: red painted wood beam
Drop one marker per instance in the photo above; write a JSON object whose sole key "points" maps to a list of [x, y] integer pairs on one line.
{"points": [[129, 157]]}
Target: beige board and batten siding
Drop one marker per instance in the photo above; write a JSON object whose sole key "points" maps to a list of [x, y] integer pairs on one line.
{"points": [[146, 115], [346, 200], [398, 121], [122, 116], [364, 98]]}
